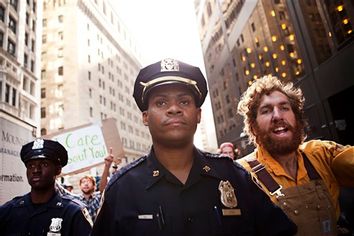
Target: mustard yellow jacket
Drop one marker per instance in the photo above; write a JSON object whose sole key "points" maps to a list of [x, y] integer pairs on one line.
{"points": [[333, 162]]}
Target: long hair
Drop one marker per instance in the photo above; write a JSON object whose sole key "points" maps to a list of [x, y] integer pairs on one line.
{"points": [[251, 98]]}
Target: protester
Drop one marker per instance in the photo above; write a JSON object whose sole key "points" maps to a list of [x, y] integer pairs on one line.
{"points": [[89, 196], [177, 189], [43, 211], [303, 178], [227, 149]]}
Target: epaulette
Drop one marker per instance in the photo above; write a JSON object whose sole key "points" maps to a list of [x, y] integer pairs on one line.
{"points": [[124, 170], [213, 155], [19, 200]]}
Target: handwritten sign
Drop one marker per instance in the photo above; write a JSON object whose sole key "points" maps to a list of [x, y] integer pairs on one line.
{"points": [[85, 146]]}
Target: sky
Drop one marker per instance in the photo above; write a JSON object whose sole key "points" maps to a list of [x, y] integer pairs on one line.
{"points": [[167, 29]]}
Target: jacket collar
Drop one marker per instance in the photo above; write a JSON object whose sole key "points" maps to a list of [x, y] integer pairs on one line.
{"points": [[55, 202], [201, 167]]}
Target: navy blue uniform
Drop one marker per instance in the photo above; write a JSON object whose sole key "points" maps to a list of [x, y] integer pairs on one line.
{"points": [[146, 199], [21, 217]]}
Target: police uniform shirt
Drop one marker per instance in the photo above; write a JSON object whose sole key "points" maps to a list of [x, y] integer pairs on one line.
{"points": [[146, 199], [21, 217]]}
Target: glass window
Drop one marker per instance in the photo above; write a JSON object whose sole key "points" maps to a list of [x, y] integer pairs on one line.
{"points": [[11, 47], [43, 94], [14, 95], [317, 31], [43, 113], [2, 13], [12, 24], [60, 70]]}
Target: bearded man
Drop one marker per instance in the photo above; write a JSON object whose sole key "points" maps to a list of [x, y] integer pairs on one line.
{"points": [[303, 178]]}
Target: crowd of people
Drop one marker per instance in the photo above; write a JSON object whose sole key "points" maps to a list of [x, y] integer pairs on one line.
{"points": [[287, 186]]}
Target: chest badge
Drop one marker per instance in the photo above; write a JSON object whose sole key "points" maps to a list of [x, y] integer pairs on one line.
{"points": [[227, 197], [55, 225]]}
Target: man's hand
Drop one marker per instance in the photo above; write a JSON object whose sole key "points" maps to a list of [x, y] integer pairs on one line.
{"points": [[109, 159]]}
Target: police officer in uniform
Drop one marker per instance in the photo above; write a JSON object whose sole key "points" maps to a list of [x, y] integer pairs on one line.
{"points": [[177, 189], [43, 211]]}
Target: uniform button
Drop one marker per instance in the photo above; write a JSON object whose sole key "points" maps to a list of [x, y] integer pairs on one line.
{"points": [[296, 212], [307, 207], [190, 220], [284, 203], [318, 206]]}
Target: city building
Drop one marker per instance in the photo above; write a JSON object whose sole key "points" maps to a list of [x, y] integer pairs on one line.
{"points": [[89, 65], [305, 42], [19, 89]]}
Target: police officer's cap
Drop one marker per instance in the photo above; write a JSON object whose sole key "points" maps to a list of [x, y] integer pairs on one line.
{"points": [[169, 71], [44, 149]]}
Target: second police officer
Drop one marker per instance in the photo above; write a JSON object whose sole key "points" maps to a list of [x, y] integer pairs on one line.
{"points": [[43, 211]]}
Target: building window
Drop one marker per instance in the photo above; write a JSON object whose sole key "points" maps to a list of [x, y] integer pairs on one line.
{"points": [[91, 112], [7, 93], [32, 90], [43, 74], [11, 47], [1, 38], [61, 35], [60, 70], [13, 3], [33, 25], [43, 94], [27, 18], [14, 93], [26, 39], [43, 113], [12, 24], [44, 38], [32, 65], [60, 52], [43, 131], [209, 9], [61, 18], [44, 23], [2, 13], [25, 60], [253, 27], [89, 75]]}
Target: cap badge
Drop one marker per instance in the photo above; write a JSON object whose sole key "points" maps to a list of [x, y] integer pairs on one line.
{"points": [[169, 65], [55, 225], [228, 197], [38, 143]]}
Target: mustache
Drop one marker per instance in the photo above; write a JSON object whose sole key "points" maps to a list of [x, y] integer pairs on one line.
{"points": [[281, 123]]}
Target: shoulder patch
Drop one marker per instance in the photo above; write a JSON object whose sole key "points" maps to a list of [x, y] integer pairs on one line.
{"points": [[124, 170]]}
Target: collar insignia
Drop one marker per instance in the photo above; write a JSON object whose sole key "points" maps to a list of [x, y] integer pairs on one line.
{"points": [[156, 173], [206, 168]]}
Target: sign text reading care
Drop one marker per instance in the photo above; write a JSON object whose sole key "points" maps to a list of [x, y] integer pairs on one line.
{"points": [[85, 146]]}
